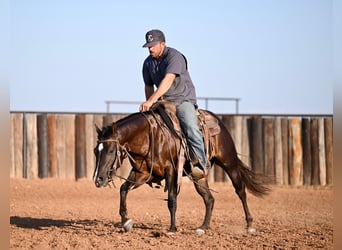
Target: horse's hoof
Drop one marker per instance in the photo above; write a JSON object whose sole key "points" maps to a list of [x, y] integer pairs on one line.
{"points": [[200, 231], [128, 225], [251, 230]]}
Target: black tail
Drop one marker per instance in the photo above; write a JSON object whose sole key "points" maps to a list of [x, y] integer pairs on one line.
{"points": [[252, 180]]}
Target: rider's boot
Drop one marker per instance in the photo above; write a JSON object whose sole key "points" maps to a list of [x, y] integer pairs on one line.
{"points": [[199, 170]]}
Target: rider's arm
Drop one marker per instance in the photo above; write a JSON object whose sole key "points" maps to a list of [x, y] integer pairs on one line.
{"points": [[149, 90], [161, 90]]}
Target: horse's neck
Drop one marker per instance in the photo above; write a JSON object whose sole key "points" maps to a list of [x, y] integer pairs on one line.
{"points": [[134, 131]]}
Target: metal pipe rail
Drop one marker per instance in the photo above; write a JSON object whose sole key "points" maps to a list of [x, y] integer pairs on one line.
{"points": [[206, 100]]}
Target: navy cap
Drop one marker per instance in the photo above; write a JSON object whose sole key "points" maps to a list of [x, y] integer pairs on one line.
{"points": [[153, 37]]}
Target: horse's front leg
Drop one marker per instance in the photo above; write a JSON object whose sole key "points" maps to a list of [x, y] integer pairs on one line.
{"points": [[133, 181]]}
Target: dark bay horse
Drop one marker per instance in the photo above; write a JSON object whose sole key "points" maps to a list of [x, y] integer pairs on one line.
{"points": [[153, 153]]}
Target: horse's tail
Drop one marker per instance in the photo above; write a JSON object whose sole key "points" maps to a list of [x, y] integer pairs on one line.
{"points": [[252, 180]]}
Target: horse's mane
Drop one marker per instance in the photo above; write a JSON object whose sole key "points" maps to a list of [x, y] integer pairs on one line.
{"points": [[107, 130]]}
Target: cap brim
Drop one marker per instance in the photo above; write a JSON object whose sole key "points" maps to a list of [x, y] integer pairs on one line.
{"points": [[150, 44]]}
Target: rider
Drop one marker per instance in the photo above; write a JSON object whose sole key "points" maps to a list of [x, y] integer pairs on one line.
{"points": [[166, 68]]}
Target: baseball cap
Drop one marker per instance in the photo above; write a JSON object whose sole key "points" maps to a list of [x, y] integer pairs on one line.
{"points": [[153, 37]]}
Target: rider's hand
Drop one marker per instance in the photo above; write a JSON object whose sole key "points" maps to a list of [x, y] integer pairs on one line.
{"points": [[145, 106]]}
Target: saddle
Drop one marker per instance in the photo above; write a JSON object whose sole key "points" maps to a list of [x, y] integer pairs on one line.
{"points": [[208, 124]]}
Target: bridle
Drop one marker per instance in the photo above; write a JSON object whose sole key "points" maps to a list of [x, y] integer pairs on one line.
{"points": [[117, 163]]}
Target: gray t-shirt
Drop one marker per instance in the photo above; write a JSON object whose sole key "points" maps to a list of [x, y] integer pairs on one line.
{"points": [[172, 61]]}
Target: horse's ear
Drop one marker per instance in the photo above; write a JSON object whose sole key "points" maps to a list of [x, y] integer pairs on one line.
{"points": [[115, 129], [98, 130]]}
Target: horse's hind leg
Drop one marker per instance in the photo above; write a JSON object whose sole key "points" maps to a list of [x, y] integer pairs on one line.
{"points": [[240, 189], [202, 188]]}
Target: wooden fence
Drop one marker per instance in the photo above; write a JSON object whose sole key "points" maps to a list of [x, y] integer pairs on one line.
{"points": [[294, 150]]}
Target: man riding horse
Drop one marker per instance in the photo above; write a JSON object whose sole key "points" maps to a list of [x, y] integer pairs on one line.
{"points": [[153, 152], [166, 68]]}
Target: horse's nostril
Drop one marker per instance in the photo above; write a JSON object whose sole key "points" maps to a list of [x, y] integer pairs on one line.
{"points": [[99, 182]]}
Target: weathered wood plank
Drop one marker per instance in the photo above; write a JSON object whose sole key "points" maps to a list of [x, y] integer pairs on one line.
{"points": [[90, 144], [43, 161], [52, 142], [31, 146], [61, 149], [296, 161], [306, 141], [285, 149], [321, 151], [237, 133], [17, 145], [229, 123], [70, 146], [107, 120], [80, 146], [314, 152], [278, 156], [257, 151], [268, 139], [245, 153], [329, 148]]}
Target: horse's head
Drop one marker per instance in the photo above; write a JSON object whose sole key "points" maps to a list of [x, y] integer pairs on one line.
{"points": [[109, 154]]}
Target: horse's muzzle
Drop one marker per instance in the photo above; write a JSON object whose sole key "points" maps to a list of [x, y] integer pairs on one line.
{"points": [[101, 182]]}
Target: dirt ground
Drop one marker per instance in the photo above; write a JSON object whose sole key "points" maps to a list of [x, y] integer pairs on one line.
{"points": [[67, 214]]}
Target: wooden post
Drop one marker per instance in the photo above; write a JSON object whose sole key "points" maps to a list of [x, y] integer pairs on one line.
{"points": [[107, 120], [245, 154], [90, 144], [257, 151], [314, 152], [285, 149], [229, 123], [321, 150], [328, 131], [296, 162], [306, 141], [17, 147], [98, 120], [51, 123], [12, 146], [31, 146], [268, 134], [70, 146], [65, 127], [237, 133], [278, 151], [80, 146], [43, 162], [61, 148]]}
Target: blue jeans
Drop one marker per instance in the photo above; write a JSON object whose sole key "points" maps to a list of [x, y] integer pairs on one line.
{"points": [[186, 113]]}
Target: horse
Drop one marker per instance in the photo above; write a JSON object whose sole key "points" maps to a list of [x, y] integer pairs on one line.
{"points": [[155, 154]]}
